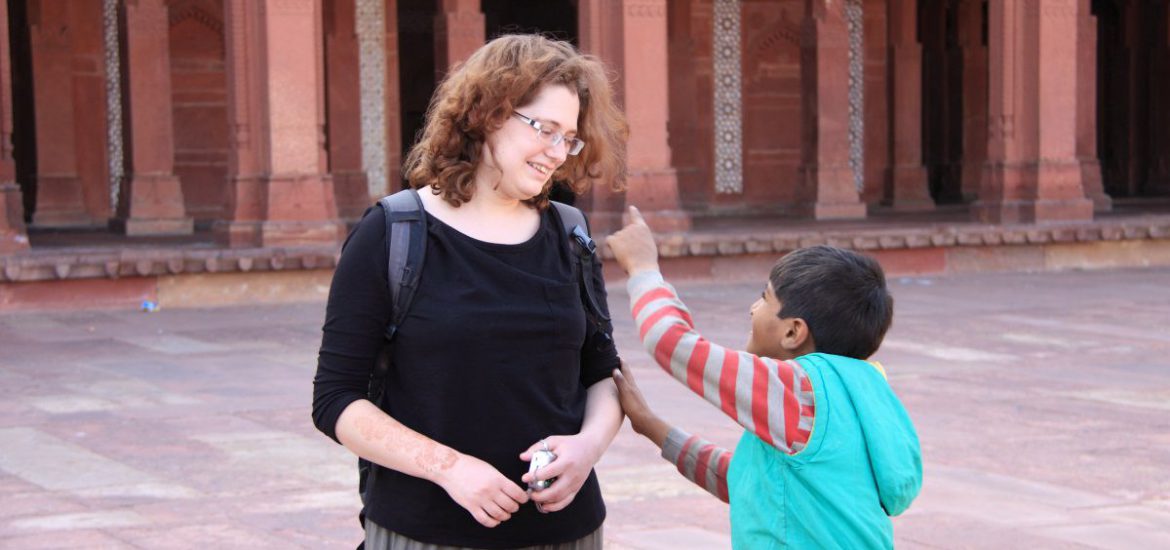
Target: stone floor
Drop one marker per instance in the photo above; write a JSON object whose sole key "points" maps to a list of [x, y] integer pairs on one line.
{"points": [[1042, 402]]}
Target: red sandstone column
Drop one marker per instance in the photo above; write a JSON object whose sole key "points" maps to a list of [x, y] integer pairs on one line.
{"points": [[279, 192], [344, 110], [827, 190], [12, 233], [459, 30], [599, 25], [1087, 112], [974, 97], [392, 110], [1033, 174], [89, 100], [878, 89], [60, 198], [907, 175], [151, 199], [653, 183]]}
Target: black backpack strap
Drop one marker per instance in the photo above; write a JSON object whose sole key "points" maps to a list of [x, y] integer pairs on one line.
{"points": [[585, 250], [406, 249], [406, 222]]}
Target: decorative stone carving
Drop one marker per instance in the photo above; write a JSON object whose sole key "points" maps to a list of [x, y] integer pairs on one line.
{"points": [[854, 21], [656, 9], [113, 99], [372, 76], [728, 98], [195, 13]]}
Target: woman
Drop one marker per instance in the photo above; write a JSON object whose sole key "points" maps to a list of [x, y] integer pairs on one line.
{"points": [[494, 359]]}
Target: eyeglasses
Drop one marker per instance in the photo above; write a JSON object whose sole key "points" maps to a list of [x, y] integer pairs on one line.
{"points": [[552, 137]]}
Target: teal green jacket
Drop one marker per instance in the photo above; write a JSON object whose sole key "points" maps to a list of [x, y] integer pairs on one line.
{"points": [[862, 465]]}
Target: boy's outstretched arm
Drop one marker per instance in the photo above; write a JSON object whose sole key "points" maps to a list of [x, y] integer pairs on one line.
{"points": [[772, 399], [704, 463]]}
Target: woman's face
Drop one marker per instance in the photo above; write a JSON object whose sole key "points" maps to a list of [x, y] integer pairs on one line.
{"points": [[524, 160]]}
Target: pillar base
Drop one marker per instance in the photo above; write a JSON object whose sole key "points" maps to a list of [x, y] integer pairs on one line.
{"points": [[139, 226], [836, 211], [1049, 191], [282, 210], [12, 233], [971, 175], [12, 241], [353, 194], [1094, 187], [60, 204], [655, 193], [275, 234], [1024, 211], [828, 193], [909, 191], [152, 205]]}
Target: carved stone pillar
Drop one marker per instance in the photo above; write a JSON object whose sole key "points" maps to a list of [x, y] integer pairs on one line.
{"points": [[380, 115], [653, 183], [459, 31], [599, 25], [151, 198], [1033, 173], [630, 36], [344, 108], [827, 189], [12, 233], [392, 103], [278, 189], [907, 175], [60, 197], [974, 97], [1087, 111]]}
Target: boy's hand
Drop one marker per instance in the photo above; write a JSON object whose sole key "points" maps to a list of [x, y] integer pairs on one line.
{"points": [[642, 419], [633, 246]]}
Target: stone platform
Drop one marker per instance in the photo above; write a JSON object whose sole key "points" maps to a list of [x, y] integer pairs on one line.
{"points": [[102, 270]]}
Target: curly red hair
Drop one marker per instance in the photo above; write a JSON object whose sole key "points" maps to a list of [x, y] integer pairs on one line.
{"points": [[479, 96]]}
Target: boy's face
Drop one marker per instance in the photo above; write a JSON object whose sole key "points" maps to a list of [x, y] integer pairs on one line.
{"points": [[768, 329]]}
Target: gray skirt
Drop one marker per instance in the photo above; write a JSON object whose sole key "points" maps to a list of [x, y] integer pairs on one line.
{"points": [[380, 538]]}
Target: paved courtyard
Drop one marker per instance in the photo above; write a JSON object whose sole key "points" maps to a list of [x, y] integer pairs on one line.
{"points": [[1042, 402]]}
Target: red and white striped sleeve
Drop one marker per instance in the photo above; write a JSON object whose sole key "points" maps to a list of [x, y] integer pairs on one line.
{"points": [[698, 460], [770, 398]]}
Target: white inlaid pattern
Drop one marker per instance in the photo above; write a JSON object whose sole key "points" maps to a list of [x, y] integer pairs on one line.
{"points": [[854, 22], [113, 99], [728, 98], [372, 76]]}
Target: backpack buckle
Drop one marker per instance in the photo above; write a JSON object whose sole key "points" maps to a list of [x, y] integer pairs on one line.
{"points": [[582, 238]]}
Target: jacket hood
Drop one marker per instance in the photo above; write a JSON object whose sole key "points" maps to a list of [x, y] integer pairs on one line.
{"points": [[890, 438]]}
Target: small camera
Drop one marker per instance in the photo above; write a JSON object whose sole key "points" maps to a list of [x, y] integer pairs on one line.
{"points": [[540, 459]]}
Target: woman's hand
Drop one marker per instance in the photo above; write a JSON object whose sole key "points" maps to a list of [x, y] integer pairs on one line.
{"points": [[482, 490], [576, 455]]}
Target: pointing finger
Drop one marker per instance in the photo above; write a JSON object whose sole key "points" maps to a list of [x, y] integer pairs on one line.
{"points": [[636, 216]]}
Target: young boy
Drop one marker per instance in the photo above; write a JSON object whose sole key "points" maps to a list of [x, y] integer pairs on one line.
{"points": [[829, 452]]}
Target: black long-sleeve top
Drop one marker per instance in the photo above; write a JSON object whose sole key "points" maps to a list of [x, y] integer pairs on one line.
{"points": [[494, 355]]}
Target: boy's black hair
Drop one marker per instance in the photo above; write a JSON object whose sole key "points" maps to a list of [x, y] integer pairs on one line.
{"points": [[840, 294]]}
